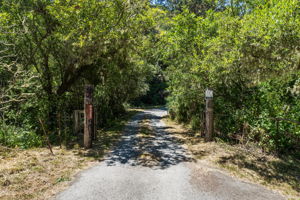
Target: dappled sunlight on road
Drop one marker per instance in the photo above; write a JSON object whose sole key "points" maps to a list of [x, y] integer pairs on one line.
{"points": [[159, 151]]}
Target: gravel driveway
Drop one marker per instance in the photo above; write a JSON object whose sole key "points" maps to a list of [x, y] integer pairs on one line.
{"points": [[171, 175]]}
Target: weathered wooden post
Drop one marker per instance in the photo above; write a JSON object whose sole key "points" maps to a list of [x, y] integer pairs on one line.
{"points": [[88, 116], [76, 124], [209, 115]]}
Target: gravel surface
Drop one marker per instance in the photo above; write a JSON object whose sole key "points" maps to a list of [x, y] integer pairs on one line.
{"points": [[169, 174]]}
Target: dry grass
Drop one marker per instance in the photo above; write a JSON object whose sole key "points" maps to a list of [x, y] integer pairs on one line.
{"points": [[35, 173], [145, 129], [246, 162]]}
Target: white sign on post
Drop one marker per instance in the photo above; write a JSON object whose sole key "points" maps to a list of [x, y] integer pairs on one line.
{"points": [[209, 94]]}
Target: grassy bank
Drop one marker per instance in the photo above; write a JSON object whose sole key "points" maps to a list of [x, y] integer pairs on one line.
{"points": [[36, 174], [246, 162]]}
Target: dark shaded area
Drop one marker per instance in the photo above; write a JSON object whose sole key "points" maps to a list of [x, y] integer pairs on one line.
{"points": [[162, 149], [106, 138], [156, 94], [286, 170]]}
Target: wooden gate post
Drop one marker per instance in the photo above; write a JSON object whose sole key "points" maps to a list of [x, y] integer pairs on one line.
{"points": [[209, 115], [88, 116]]}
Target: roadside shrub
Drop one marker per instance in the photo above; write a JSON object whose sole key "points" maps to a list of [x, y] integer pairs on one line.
{"points": [[13, 136]]}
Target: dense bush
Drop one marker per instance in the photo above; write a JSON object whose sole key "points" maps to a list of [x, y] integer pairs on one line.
{"points": [[249, 56], [13, 136], [49, 50], [246, 51]]}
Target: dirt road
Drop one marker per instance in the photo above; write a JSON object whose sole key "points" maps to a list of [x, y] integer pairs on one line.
{"points": [[155, 166]]}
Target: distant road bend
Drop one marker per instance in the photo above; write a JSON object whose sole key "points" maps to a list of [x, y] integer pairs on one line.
{"points": [[123, 175]]}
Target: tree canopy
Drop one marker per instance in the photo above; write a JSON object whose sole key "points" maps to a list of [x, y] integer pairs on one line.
{"points": [[142, 51]]}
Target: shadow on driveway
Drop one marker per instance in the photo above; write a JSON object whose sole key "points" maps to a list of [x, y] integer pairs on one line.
{"points": [[158, 152]]}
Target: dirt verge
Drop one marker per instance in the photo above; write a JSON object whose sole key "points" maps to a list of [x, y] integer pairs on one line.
{"points": [[35, 173], [245, 162]]}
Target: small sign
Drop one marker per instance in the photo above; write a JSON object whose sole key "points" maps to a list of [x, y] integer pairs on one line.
{"points": [[90, 110], [209, 94]]}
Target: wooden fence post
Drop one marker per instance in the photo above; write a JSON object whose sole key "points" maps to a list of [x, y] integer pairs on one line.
{"points": [[209, 115], [88, 116]]}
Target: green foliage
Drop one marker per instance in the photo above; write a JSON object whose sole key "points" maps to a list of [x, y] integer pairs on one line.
{"points": [[13, 136], [248, 53], [51, 49]]}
